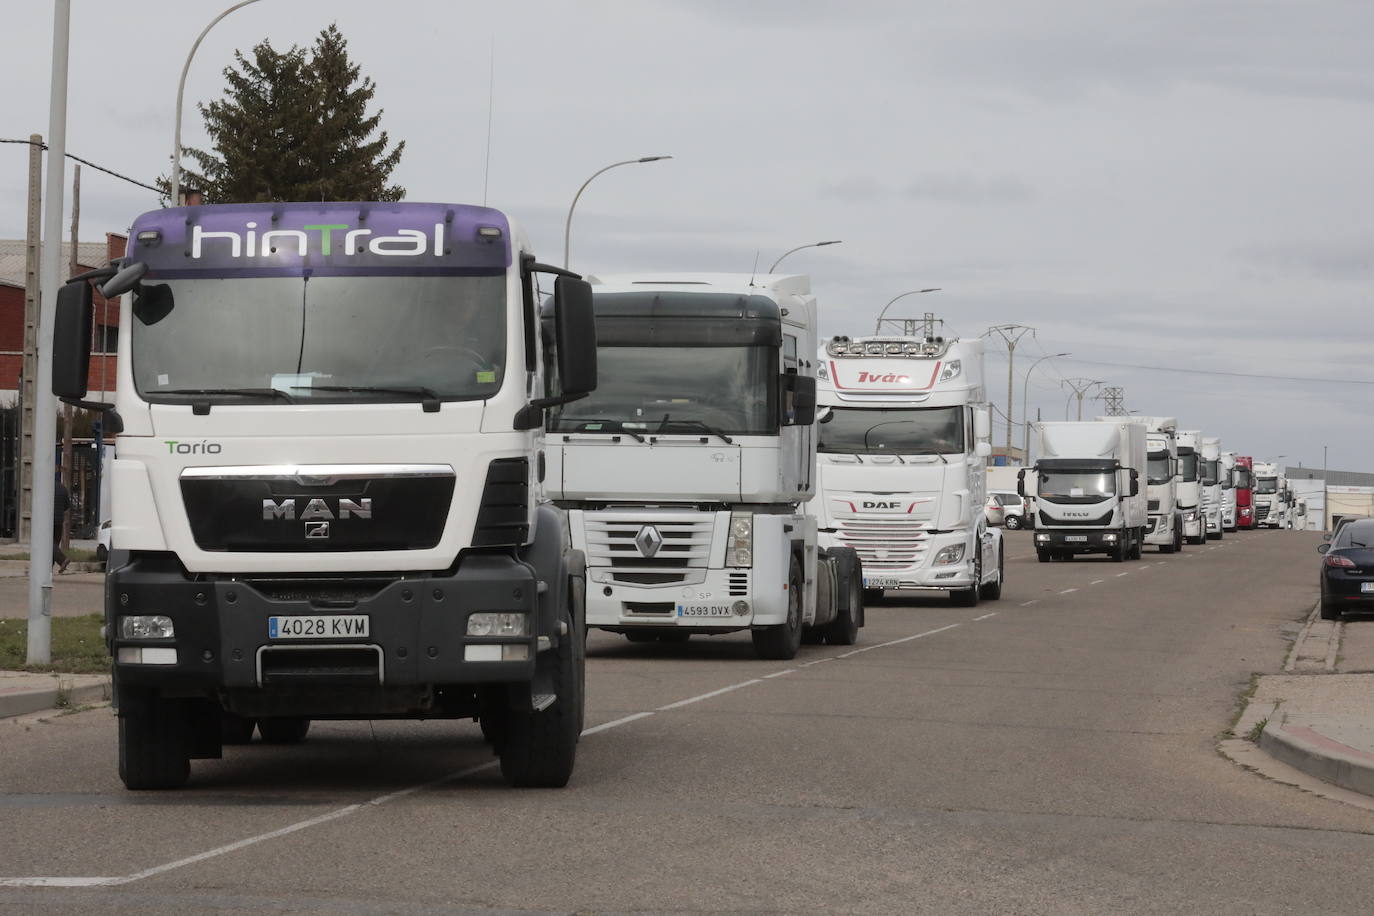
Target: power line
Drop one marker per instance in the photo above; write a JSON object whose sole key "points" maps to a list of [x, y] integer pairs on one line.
{"points": [[87, 162], [1280, 378]]}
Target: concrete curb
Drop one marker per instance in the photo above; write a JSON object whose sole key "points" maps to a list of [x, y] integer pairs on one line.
{"points": [[78, 690], [1301, 747]]}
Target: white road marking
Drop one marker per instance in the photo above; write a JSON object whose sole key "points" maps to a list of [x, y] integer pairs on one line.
{"points": [[817, 661], [884, 645], [616, 723], [774, 674], [1119, 575], [1097, 581], [706, 696], [986, 616], [1030, 602], [1067, 590]]}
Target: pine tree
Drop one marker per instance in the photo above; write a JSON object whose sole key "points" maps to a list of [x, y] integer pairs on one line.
{"points": [[293, 127]]}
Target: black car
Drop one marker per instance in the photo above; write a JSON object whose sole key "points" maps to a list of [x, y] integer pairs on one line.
{"points": [[1348, 569]]}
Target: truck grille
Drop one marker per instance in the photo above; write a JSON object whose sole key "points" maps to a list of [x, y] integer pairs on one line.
{"points": [[884, 543], [1153, 506], [686, 541], [1261, 512]]}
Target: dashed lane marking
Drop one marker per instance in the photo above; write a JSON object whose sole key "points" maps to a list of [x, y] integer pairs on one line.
{"points": [[1067, 590], [1030, 602], [986, 616], [1097, 581], [1119, 575]]}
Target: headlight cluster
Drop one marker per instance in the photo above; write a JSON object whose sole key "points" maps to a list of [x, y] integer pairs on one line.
{"points": [[741, 552], [496, 623], [146, 626], [951, 554], [1190, 517], [951, 370]]}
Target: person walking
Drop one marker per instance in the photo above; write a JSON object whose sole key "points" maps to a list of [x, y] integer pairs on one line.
{"points": [[61, 502]]}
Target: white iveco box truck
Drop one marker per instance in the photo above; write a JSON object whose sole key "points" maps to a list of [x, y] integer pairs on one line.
{"points": [[1213, 498], [1165, 529], [903, 438], [686, 474], [1226, 470], [1190, 485], [1086, 484]]}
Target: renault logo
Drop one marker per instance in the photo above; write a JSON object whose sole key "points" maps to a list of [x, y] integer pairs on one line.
{"points": [[648, 540]]}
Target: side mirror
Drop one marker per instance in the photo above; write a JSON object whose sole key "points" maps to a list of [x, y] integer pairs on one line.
{"points": [[800, 390], [71, 340], [575, 320], [1323, 548], [1135, 483], [982, 424], [1021, 483], [125, 280], [982, 449]]}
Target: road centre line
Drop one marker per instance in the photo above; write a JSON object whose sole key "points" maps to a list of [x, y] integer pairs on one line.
{"points": [[1030, 602], [346, 810], [1067, 590], [1097, 581], [1119, 575], [986, 616]]}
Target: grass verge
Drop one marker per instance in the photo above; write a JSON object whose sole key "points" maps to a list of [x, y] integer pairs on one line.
{"points": [[76, 645]]}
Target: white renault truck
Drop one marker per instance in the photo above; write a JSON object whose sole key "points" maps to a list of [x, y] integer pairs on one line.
{"points": [[1165, 528], [1213, 498], [1271, 496], [687, 474], [1189, 444], [903, 439], [1086, 484], [327, 493], [1226, 468]]}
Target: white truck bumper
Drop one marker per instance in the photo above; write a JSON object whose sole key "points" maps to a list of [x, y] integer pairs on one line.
{"points": [[724, 599], [923, 574], [1160, 530]]}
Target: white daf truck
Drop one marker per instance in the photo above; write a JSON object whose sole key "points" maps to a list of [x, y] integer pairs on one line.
{"points": [[903, 438], [1165, 527], [1213, 488], [1190, 476], [326, 499], [686, 475], [1271, 496], [1226, 468], [1086, 485]]}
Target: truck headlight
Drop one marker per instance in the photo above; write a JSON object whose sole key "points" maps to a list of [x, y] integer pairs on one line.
{"points": [[1042, 537], [741, 552], [1109, 537], [496, 623], [146, 626], [951, 370], [951, 554], [1190, 517]]}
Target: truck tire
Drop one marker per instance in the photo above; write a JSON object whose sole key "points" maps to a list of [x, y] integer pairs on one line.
{"points": [[538, 748], [153, 746], [844, 629], [782, 641], [968, 597], [1178, 536], [284, 729], [235, 729], [993, 590]]}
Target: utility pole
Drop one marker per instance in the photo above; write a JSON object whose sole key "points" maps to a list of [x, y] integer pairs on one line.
{"points": [[1326, 490], [1116, 400], [1010, 333], [1080, 387], [32, 249], [73, 268], [44, 404]]}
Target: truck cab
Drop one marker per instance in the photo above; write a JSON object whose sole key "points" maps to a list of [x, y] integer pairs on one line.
{"points": [[1166, 516], [1245, 484], [1086, 483], [1226, 467], [1190, 485], [1270, 496], [1214, 483]]}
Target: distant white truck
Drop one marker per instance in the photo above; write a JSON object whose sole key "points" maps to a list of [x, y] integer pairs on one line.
{"points": [[1165, 529], [903, 433], [1213, 498], [1189, 443], [1226, 470], [1086, 485], [1271, 496]]}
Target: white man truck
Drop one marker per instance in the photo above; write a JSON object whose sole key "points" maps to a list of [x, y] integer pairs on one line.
{"points": [[1213, 490], [1086, 485], [1271, 496], [1226, 469], [327, 493], [686, 475], [903, 436], [1165, 528], [1190, 485]]}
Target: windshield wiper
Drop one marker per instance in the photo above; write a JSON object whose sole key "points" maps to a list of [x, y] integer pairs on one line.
{"points": [[580, 424], [276, 393], [663, 425], [415, 390]]}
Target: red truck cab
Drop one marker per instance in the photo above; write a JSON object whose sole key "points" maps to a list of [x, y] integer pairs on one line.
{"points": [[1245, 482]]}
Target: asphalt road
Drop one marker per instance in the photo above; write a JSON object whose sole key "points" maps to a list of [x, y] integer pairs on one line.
{"points": [[1052, 752]]}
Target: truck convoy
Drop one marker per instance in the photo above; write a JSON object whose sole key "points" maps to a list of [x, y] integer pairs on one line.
{"points": [[1166, 518], [1213, 488], [903, 433], [1086, 484], [687, 474], [1245, 482], [1190, 485], [326, 499], [1227, 470], [1271, 496]]}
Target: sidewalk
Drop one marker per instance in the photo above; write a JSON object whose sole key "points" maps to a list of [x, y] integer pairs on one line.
{"points": [[22, 693]]}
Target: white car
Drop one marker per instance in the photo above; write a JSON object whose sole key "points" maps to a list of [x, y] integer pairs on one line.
{"points": [[102, 542], [1007, 507]]}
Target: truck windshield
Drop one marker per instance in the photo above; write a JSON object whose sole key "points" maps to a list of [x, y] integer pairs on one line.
{"points": [[1188, 467], [1242, 480], [685, 390], [1266, 484], [1076, 486], [1157, 470], [1210, 470], [364, 338], [904, 431]]}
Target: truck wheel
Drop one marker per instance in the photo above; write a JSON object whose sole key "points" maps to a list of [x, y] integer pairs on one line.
{"points": [[235, 729], [284, 729], [782, 641], [844, 629], [538, 748], [153, 747], [1178, 536], [968, 597], [993, 590]]}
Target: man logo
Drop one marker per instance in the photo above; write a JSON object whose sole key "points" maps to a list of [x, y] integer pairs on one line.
{"points": [[316, 530], [648, 541]]}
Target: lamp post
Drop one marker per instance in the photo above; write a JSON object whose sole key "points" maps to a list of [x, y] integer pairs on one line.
{"points": [[878, 327], [799, 248], [567, 227], [1025, 390], [181, 90]]}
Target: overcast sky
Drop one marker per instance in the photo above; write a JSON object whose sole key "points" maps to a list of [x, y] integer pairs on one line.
{"points": [[1183, 184]]}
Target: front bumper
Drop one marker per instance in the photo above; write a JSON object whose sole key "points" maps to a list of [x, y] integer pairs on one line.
{"points": [[1062, 540], [923, 574], [417, 630], [1195, 528], [1214, 520], [717, 600], [1159, 529]]}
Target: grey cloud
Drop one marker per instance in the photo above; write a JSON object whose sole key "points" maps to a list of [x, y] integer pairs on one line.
{"points": [[969, 188], [1349, 260]]}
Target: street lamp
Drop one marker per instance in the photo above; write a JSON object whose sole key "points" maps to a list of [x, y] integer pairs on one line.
{"points": [[1025, 389], [567, 227], [799, 248], [878, 327], [181, 89]]}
